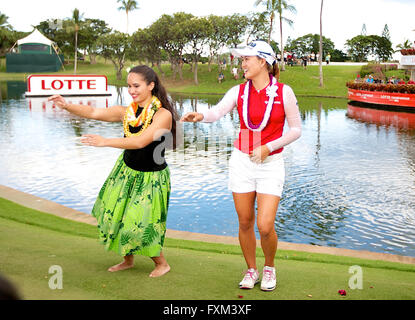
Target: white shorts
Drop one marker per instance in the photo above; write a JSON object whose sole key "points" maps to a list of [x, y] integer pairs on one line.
{"points": [[246, 176]]}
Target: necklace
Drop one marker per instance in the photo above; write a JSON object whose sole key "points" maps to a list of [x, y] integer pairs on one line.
{"points": [[271, 93], [143, 119]]}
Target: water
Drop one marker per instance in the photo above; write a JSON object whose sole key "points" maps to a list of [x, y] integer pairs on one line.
{"points": [[350, 179]]}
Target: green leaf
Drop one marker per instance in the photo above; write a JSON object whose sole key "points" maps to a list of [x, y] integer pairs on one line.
{"points": [[150, 234]]}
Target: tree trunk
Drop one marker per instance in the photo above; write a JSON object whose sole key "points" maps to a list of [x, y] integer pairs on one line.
{"points": [[93, 58], [127, 20], [270, 28], [174, 70], [76, 51], [282, 47], [195, 73], [160, 69], [320, 58]]}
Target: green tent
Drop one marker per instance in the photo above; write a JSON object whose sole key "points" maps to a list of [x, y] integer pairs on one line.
{"points": [[34, 53]]}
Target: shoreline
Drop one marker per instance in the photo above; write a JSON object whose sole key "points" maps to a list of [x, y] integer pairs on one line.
{"points": [[59, 210]]}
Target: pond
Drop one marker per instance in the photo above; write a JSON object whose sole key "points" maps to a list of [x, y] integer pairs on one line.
{"points": [[350, 179]]}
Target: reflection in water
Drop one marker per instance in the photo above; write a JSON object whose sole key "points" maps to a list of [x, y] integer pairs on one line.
{"points": [[349, 179], [382, 117]]}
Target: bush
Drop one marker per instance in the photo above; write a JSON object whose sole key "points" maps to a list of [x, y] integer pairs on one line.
{"points": [[408, 52], [377, 70], [398, 88]]}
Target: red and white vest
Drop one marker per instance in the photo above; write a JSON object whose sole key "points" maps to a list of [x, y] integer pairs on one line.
{"points": [[249, 140]]}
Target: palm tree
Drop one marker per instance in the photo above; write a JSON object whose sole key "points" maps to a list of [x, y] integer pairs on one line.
{"points": [[3, 21], [76, 18], [320, 57], [128, 6], [406, 45], [273, 7]]}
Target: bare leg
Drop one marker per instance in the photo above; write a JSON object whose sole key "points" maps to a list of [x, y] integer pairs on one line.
{"points": [[267, 210], [244, 206], [162, 267], [126, 264]]}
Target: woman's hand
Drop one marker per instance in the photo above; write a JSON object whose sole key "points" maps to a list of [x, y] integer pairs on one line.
{"points": [[192, 117], [93, 140], [59, 101], [259, 154]]}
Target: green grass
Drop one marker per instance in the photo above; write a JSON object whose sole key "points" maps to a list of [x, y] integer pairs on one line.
{"points": [[33, 241], [304, 82]]}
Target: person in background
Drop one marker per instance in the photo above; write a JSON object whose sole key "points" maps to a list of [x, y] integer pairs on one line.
{"points": [[221, 77]]}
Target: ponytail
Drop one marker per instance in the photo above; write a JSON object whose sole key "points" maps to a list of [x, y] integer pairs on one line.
{"points": [[274, 70]]}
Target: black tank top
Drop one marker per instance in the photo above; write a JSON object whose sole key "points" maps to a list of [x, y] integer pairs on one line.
{"points": [[149, 158]]}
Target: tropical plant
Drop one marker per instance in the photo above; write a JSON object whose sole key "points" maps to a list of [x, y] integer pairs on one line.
{"points": [[128, 6], [279, 7], [3, 21], [406, 45]]}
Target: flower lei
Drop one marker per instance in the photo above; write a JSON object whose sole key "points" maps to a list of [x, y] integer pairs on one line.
{"points": [[143, 119], [271, 93]]}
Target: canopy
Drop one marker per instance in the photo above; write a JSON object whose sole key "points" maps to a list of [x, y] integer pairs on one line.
{"points": [[35, 37]]}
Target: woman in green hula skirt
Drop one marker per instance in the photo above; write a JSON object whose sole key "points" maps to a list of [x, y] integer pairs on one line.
{"points": [[131, 208]]}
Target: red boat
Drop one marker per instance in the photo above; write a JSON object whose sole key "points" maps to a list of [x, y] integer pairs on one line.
{"points": [[382, 98], [399, 120]]}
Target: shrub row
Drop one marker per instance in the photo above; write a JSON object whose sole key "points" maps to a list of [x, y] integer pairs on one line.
{"points": [[408, 52], [399, 88]]}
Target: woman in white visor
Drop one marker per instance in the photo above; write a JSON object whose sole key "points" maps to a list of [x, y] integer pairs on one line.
{"points": [[256, 167]]}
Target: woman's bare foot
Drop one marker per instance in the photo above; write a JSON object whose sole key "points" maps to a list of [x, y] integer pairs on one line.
{"points": [[160, 270], [162, 267], [128, 263]]}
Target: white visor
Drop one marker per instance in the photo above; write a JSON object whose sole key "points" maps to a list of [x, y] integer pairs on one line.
{"points": [[256, 48]]}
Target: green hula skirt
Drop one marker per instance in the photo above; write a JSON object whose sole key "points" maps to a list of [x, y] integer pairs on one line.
{"points": [[131, 210]]}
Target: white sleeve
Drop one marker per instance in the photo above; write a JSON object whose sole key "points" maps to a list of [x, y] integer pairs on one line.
{"points": [[228, 102], [292, 115]]}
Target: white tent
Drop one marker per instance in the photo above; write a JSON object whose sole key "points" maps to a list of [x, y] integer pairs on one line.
{"points": [[35, 37]]}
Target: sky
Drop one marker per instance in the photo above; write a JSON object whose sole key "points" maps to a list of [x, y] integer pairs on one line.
{"points": [[342, 20]]}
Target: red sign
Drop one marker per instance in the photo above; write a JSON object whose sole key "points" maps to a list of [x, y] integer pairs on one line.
{"points": [[380, 97], [67, 85]]}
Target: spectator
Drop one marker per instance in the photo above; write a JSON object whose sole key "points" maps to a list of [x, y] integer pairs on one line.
{"points": [[369, 79], [221, 77], [328, 57], [411, 82], [235, 73], [400, 81], [304, 62], [313, 58]]}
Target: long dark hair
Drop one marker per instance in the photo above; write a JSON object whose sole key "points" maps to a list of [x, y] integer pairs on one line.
{"points": [[149, 76], [274, 70]]}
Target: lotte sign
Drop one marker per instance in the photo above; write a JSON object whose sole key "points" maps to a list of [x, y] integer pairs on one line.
{"points": [[67, 85]]}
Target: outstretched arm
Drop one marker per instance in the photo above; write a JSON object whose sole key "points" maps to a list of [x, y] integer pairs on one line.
{"points": [[228, 102], [162, 122], [112, 114]]}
